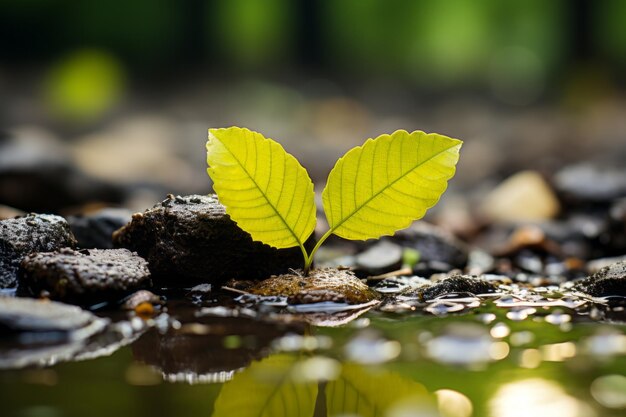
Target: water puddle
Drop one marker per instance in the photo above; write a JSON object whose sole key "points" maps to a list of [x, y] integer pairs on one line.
{"points": [[518, 351]]}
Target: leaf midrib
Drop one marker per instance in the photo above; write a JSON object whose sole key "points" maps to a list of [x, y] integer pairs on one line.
{"points": [[261, 191], [333, 228]]}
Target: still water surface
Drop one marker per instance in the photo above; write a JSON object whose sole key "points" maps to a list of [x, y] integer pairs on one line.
{"points": [[484, 361]]}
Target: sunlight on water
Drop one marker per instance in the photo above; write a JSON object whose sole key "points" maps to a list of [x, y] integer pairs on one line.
{"points": [[610, 391], [537, 398], [453, 404]]}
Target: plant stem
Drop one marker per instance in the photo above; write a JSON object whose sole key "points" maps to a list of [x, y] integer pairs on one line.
{"points": [[308, 259]]}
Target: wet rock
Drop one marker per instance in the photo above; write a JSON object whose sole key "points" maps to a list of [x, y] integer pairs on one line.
{"points": [[95, 230], [85, 276], [610, 280], [458, 284], [597, 264], [382, 257], [40, 164], [200, 290], [191, 240], [29, 315], [434, 245], [591, 183], [321, 285], [139, 298], [42, 348], [24, 235], [524, 196]]}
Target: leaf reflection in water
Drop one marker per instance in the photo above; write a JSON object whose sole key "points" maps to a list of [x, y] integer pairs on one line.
{"points": [[277, 387]]}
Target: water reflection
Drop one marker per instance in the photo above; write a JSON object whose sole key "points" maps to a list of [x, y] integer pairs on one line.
{"points": [[453, 404], [467, 345], [208, 349], [610, 391], [376, 365], [46, 349], [292, 386]]}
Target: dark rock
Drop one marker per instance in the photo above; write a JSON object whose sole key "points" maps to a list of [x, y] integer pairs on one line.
{"points": [[610, 280], [29, 315], [616, 233], [321, 285], [84, 277], [191, 240], [44, 168], [433, 244], [24, 235], [95, 230], [458, 284], [428, 268], [379, 258], [591, 183]]}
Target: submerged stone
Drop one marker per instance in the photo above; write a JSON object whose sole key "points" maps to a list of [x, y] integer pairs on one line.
{"points": [[85, 276], [32, 233], [458, 284], [191, 240], [610, 280], [327, 284]]}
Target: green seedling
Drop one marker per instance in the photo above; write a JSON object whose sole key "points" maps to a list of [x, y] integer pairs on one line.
{"points": [[374, 190]]}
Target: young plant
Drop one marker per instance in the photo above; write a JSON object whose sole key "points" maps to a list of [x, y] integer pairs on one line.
{"points": [[374, 190]]}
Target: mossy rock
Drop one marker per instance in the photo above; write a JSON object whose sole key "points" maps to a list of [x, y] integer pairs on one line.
{"points": [[325, 284]]}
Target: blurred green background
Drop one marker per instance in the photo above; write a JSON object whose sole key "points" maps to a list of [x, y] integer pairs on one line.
{"points": [[542, 81]]}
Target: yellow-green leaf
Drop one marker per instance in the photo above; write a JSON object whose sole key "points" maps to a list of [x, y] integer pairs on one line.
{"points": [[264, 189], [383, 186]]}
